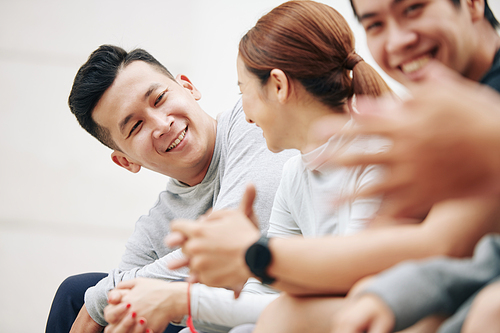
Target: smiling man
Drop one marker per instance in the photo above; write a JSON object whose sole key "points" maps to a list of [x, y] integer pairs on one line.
{"points": [[403, 35], [132, 104]]}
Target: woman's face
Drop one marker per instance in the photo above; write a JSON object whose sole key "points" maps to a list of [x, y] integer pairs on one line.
{"points": [[262, 109]]}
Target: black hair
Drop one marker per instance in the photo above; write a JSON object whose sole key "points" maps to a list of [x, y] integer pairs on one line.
{"points": [[95, 76], [488, 14]]}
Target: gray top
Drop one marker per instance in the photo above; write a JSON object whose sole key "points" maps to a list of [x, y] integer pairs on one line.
{"points": [[416, 289], [303, 204], [240, 156]]}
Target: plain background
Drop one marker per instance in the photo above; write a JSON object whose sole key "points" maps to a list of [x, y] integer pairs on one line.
{"points": [[65, 208]]}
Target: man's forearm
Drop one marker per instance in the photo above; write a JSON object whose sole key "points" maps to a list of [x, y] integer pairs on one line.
{"points": [[85, 324]]}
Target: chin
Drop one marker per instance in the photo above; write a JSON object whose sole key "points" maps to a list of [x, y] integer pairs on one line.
{"points": [[274, 149]]}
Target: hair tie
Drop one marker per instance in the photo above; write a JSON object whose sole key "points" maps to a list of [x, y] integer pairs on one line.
{"points": [[351, 60]]}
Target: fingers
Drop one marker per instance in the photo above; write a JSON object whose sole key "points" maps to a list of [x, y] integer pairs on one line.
{"points": [[182, 226], [349, 160], [114, 313], [175, 239], [325, 128], [127, 284], [178, 263], [193, 278], [129, 324], [115, 296], [246, 204]]}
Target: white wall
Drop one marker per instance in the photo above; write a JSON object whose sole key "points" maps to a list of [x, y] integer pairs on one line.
{"points": [[65, 208]]}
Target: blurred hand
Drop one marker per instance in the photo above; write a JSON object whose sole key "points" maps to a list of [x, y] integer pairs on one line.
{"points": [[215, 245], [141, 304], [365, 314], [445, 143]]}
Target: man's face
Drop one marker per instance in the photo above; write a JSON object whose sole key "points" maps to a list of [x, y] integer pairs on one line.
{"points": [[157, 123], [403, 35]]}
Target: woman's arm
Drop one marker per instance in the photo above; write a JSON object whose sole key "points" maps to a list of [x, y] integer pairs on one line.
{"points": [[334, 264]]}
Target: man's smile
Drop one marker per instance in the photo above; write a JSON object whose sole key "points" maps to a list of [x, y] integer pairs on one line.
{"points": [[177, 140]]}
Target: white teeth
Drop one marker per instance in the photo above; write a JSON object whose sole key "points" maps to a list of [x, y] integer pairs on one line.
{"points": [[177, 141], [416, 64]]}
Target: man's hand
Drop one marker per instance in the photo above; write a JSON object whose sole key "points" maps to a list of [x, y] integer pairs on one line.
{"points": [[141, 304], [445, 143], [85, 323], [366, 314], [215, 245]]}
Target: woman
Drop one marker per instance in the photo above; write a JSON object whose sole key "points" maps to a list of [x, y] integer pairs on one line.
{"points": [[296, 66]]}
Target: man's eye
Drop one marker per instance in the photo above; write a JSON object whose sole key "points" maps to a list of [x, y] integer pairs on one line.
{"points": [[159, 98], [373, 26], [134, 128], [413, 8]]}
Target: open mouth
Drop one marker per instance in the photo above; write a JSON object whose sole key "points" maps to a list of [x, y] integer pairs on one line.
{"points": [[179, 139], [417, 64]]}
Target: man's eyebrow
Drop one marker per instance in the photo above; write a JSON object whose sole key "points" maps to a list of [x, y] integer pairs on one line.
{"points": [[372, 14], [152, 88], [125, 121]]}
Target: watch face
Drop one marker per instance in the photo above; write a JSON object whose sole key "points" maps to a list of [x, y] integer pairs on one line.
{"points": [[259, 257]]}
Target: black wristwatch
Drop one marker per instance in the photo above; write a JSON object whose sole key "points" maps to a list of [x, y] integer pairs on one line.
{"points": [[258, 257]]}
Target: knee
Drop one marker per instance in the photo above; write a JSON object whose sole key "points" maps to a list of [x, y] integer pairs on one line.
{"points": [[70, 283], [485, 310], [280, 311], [74, 287], [487, 302], [285, 302]]}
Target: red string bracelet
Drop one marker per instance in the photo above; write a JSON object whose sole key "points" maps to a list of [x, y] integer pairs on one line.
{"points": [[189, 321]]}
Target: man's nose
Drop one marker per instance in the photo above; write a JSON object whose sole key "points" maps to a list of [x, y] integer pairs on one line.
{"points": [[399, 38], [249, 120], [162, 125]]}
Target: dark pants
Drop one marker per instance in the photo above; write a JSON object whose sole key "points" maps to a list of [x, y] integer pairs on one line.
{"points": [[69, 300]]}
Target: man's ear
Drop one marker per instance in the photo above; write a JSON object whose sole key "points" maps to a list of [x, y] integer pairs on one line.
{"points": [[279, 85], [476, 9], [122, 160], [186, 83]]}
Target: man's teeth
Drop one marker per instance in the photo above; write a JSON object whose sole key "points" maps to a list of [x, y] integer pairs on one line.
{"points": [[177, 141], [416, 64]]}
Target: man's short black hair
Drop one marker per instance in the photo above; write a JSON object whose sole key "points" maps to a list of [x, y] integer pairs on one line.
{"points": [[95, 77], [488, 14]]}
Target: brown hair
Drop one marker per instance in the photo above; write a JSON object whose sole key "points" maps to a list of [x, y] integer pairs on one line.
{"points": [[313, 44]]}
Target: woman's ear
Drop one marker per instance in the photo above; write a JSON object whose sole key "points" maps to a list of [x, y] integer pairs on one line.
{"points": [[280, 85], [124, 161], [476, 9], [184, 81]]}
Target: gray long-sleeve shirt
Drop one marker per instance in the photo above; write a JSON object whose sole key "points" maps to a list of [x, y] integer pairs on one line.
{"points": [[240, 156], [416, 289]]}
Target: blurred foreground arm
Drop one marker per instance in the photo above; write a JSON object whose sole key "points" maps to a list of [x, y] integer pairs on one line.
{"points": [[446, 143]]}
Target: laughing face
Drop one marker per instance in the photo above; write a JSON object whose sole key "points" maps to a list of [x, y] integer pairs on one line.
{"points": [[403, 35], [157, 123], [262, 110]]}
